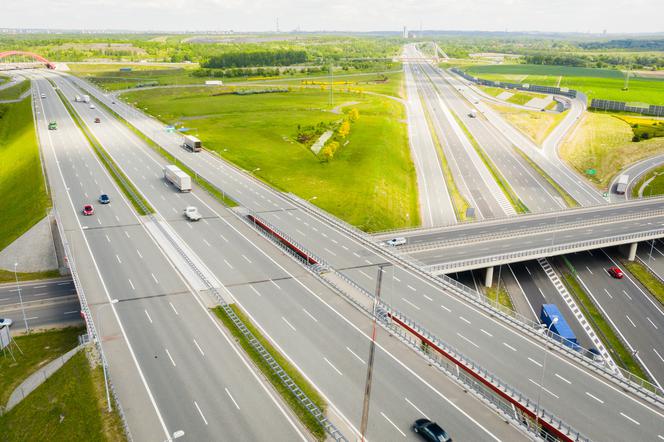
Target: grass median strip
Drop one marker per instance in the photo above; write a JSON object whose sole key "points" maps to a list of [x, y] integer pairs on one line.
{"points": [[514, 200], [618, 350], [459, 202], [8, 275], [571, 202], [132, 194], [202, 182], [302, 413], [645, 277]]}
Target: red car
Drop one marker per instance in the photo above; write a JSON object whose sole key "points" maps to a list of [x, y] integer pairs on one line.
{"points": [[88, 210], [615, 272]]}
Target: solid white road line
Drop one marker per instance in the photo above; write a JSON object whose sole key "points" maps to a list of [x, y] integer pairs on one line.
{"points": [[629, 418], [331, 365], [310, 315], [198, 347], [563, 379], [595, 397], [201, 413], [231, 396], [509, 346], [415, 407], [397, 428], [467, 340], [170, 357], [353, 353], [289, 324]]}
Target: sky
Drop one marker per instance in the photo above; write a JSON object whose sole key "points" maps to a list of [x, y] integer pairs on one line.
{"points": [[616, 16]]}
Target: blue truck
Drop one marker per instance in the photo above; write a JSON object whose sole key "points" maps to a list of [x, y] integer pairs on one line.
{"points": [[563, 332]]}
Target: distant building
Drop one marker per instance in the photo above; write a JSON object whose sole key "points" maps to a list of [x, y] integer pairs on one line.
{"points": [[405, 32]]}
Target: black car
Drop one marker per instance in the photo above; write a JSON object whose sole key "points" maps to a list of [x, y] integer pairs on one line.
{"points": [[430, 431]]}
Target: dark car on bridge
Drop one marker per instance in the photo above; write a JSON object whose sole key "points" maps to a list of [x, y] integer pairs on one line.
{"points": [[104, 199], [430, 431]]}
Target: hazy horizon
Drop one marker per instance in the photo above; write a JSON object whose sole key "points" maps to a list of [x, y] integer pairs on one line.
{"points": [[546, 16]]}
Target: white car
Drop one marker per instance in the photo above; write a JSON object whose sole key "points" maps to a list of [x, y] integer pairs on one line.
{"points": [[92, 106], [43, 95], [192, 214], [5, 322], [396, 241]]}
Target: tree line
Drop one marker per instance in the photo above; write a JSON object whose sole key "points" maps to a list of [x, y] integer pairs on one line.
{"points": [[256, 58]]}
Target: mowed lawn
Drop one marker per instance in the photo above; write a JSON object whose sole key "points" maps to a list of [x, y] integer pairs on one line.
{"points": [[14, 92], [24, 200], [371, 181], [604, 142], [606, 84], [537, 125]]}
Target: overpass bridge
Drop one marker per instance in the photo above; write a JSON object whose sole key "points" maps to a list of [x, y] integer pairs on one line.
{"points": [[485, 244], [23, 54]]}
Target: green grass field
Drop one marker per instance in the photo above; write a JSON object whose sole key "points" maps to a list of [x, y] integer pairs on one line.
{"points": [[38, 349], [15, 91], [536, 125], [389, 83], [606, 84], [370, 182], [24, 200], [603, 142], [69, 406]]}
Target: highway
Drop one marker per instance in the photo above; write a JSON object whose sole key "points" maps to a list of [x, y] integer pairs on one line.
{"points": [[47, 303], [535, 192], [435, 204], [321, 334], [194, 378], [463, 323], [627, 306]]}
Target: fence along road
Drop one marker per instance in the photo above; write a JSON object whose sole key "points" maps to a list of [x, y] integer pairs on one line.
{"points": [[353, 253]]}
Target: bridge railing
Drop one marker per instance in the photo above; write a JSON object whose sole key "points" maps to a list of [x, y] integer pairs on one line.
{"points": [[500, 258]]}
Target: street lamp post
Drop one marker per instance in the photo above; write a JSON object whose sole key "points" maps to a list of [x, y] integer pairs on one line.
{"points": [[103, 362], [20, 298], [554, 321]]}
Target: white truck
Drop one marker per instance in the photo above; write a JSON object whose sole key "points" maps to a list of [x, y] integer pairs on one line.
{"points": [[77, 98], [179, 179], [192, 143], [191, 213], [86, 98], [472, 114], [621, 185]]}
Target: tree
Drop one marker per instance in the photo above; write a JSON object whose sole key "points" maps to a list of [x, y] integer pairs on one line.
{"points": [[344, 129]]}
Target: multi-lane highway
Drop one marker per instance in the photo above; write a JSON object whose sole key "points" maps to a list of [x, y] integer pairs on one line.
{"points": [[601, 411], [297, 312], [47, 303], [172, 364]]}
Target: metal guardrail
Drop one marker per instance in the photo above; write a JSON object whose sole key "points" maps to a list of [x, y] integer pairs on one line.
{"points": [[285, 378], [543, 251], [528, 231], [532, 328], [386, 311]]}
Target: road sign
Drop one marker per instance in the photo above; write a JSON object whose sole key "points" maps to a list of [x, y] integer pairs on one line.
{"points": [[606, 194], [591, 171]]}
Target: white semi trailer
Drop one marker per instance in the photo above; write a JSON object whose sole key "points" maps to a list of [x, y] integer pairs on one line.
{"points": [[621, 185], [192, 143], [179, 179]]}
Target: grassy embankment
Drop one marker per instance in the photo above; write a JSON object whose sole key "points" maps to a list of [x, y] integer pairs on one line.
{"points": [[502, 297], [24, 199], [614, 345], [514, 200], [302, 413], [8, 275], [606, 84], [70, 405], [15, 91], [132, 194], [371, 181], [645, 277], [603, 142], [534, 124]]}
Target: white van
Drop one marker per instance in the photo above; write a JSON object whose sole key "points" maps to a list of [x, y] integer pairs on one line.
{"points": [[396, 242]]}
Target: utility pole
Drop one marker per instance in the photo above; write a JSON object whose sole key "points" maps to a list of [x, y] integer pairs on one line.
{"points": [[331, 86], [372, 351]]}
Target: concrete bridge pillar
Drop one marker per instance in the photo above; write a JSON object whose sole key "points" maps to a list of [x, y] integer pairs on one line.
{"points": [[488, 279], [631, 256]]}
